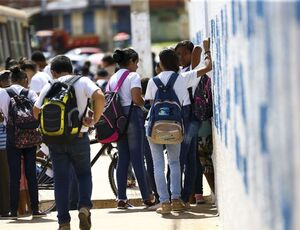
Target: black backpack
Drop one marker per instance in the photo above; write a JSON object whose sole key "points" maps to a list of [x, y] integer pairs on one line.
{"points": [[21, 125], [201, 101], [59, 121]]}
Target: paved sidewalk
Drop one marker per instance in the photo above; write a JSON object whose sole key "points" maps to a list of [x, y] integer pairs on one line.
{"points": [[201, 217]]}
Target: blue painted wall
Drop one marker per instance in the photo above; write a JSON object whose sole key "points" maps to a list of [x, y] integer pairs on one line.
{"points": [[256, 88]]}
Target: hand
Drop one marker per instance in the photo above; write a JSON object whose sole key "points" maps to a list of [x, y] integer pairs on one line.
{"points": [[206, 44], [1, 117], [88, 121]]}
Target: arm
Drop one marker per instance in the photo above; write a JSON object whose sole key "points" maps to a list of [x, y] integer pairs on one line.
{"points": [[136, 94], [196, 56], [98, 104], [36, 112], [207, 59]]}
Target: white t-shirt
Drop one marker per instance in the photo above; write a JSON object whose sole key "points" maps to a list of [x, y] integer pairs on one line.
{"points": [[84, 89], [133, 80], [47, 70], [38, 81], [183, 81], [5, 99]]}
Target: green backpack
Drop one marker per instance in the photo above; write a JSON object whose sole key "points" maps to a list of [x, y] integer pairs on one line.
{"points": [[59, 117]]}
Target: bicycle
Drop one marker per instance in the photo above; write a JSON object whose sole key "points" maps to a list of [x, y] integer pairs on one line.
{"points": [[46, 182]]}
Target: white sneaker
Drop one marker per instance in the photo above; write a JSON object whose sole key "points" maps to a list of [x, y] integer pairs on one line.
{"points": [[154, 207]]}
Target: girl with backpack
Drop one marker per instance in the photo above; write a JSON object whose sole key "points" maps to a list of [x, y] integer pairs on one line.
{"points": [[130, 144], [169, 64]]}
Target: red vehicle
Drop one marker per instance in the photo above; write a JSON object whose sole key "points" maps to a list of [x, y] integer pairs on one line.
{"points": [[58, 41]]}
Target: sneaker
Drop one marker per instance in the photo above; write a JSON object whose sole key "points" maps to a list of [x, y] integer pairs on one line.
{"points": [[38, 214], [199, 199], [179, 205], [9, 216], [165, 208], [154, 207], [84, 219], [64, 226], [150, 202], [123, 204]]}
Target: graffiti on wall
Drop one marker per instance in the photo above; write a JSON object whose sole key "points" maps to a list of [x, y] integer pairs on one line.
{"points": [[252, 79]]}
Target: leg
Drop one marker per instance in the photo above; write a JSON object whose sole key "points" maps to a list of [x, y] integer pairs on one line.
{"points": [[4, 183], [30, 172], [61, 166], [135, 136], [14, 161], [159, 171], [173, 161]]}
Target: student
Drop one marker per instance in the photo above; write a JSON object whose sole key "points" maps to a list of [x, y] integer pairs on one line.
{"points": [[37, 79], [14, 154], [76, 153], [187, 53], [4, 169], [130, 145], [169, 64]]}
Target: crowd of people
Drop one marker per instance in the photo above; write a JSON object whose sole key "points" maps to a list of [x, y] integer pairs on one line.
{"points": [[178, 67]]}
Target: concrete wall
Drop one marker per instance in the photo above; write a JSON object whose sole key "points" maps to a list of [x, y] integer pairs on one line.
{"points": [[256, 85]]}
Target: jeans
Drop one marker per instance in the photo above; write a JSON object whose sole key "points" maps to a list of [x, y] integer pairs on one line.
{"points": [[63, 156], [199, 177], [4, 183], [188, 153], [131, 150], [173, 152], [14, 160]]}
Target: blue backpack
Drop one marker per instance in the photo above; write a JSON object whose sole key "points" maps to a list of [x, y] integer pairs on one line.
{"points": [[165, 123]]}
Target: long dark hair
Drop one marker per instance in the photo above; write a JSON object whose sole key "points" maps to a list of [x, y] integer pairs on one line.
{"points": [[123, 56], [169, 60], [17, 74]]}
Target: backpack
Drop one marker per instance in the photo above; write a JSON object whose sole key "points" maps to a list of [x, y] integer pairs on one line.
{"points": [[202, 104], [59, 116], [21, 125], [165, 123], [112, 124]]}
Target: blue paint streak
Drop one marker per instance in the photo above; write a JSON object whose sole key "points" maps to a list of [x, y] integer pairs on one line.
{"points": [[243, 101], [226, 134], [287, 213], [245, 174], [233, 16], [240, 11], [236, 85], [237, 152], [263, 120], [228, 104], [260, 8], [212, 28], [268, 57], [298, 11], [250, 19]]}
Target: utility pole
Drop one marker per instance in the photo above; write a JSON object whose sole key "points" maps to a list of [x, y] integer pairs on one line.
{"points": [[109, 25], [141, 36]]}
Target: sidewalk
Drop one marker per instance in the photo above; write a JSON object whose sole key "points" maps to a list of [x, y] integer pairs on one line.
{"points": [[201, 217]]}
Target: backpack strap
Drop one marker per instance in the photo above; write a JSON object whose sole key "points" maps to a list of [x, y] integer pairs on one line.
{"points": [[158, 83], [172, 80], [72, 79], [190, 90], [120, 82], [11, 93], [24, 92]]}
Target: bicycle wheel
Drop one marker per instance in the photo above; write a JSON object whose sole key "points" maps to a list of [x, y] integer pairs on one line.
{"points": [[132, 190], [45, 184]]}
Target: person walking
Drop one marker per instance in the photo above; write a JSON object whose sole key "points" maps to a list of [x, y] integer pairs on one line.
{"points": [[76, 152]]}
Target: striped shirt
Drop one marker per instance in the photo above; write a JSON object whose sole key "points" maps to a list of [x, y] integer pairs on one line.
{"points": [[2, 136]]}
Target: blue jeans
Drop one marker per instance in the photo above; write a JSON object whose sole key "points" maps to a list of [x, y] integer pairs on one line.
{"points": [[188, 153], [63, 156], [173, 152], [131, 150], [14, 161]]}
